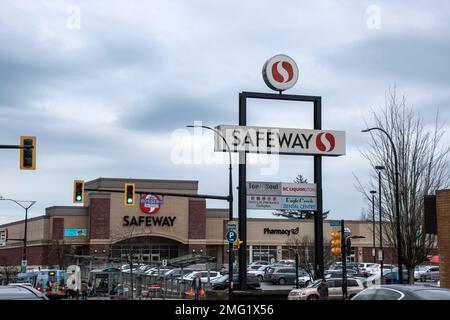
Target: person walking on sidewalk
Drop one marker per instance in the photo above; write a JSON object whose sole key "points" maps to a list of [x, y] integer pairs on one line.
{"points": [[84, 290], [196, 285], [322, 289]]}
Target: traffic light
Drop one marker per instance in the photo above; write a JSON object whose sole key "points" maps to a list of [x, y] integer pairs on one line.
{"points": [[336, 242], [27, 155], [237, 244], [129, 194], [78, 191], [348, 246]]}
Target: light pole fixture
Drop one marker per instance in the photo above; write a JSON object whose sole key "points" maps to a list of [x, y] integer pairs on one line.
{"points": [[373, 225], [397, 204], [379, 169], [230, 204], [26, 207]]}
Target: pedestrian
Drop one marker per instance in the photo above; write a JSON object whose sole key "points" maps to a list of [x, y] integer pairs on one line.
{"points": [[322, 289], [196, 285], [84, 290]]}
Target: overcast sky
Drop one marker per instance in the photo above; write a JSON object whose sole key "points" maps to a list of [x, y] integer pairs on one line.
{"points": [[105, 84]]}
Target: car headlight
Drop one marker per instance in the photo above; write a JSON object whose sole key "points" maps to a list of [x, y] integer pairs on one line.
{"points": [[294, 293]]}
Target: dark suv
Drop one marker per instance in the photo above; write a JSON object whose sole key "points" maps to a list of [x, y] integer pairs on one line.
{"points": [[222, 282]]}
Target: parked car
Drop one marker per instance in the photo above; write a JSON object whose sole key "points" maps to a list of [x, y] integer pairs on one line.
{"points": [[338, 273], [304, 279], [280, 275], [222, 282], [259, 273], [156, 272], [367, 269], [403, 292], [429, 274], [176, 273], [392, 277], [259, 263], [203, 276], [354, 286], [20, 292]]}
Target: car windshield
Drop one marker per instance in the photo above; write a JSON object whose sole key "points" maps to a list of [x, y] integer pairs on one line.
{"points": [[433, 294], [262, 268], [314, 284]]}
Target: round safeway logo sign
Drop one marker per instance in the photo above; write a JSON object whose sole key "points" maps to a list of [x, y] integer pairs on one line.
{"points": [[280, 72], [150, 203]]}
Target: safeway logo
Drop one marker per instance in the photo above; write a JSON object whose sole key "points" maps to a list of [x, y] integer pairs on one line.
{"points": [[150, 203], [325, 142], [280, 72]]}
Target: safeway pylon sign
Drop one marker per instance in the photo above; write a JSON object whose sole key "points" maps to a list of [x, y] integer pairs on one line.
{"points": [[280, 140]]}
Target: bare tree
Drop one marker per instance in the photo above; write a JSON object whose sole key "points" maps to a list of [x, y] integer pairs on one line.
{"points": [[7, 272], [423, 169], [298, 214], [61, 252], [304, 247]]}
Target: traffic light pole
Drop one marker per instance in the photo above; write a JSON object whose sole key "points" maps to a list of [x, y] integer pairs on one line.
{"points": [[344, 261], [24, 239]]}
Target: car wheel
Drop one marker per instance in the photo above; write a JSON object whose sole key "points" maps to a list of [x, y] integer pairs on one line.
{"points": [[313, 297], [260, 278], [282, 281]]}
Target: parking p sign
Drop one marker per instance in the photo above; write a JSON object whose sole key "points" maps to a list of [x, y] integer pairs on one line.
{"points": [[231, 236]]}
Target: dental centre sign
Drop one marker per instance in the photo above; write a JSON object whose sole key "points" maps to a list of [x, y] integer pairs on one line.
{"points": [[280, 140]]}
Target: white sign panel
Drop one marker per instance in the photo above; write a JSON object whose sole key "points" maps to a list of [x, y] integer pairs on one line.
{"points": [[298, 203], [264, 202], [280, 72], [299, 189], [264, 188], [280, 140]]}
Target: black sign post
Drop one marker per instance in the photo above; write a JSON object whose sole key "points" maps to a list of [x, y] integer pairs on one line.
{"points": [[318, 219]]}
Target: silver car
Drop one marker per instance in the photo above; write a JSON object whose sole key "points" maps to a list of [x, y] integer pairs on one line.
{"points": [[21, 292], [354, 286]]}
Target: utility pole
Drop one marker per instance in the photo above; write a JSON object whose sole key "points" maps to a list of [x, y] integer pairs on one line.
{"points": [[373, 226], [344, 261]]}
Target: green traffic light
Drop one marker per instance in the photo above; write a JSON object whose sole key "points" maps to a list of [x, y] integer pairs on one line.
{"points": [[130, 200], [78, 197]]}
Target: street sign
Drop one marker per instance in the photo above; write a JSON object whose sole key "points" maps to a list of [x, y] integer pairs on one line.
{"points": [[280, 140], [164, 262], [231, 236], [23, 266], [335, 223], [231, 225], [3, 237]]}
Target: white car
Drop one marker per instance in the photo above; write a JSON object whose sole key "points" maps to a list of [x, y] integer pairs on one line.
{"points": [[420, 270], [203, 276], [369, 268], [259, 273], [304, 279]]}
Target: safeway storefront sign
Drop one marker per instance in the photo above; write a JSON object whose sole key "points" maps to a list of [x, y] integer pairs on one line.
{"points": [[280, 140]]}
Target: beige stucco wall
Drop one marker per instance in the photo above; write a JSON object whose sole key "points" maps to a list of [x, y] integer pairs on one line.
{"points": [[172, 206], [37, 231], [214, 231]]}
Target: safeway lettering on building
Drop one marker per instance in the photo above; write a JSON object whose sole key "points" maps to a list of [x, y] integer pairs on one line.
{"points": [[157, 221], [280, 140]]}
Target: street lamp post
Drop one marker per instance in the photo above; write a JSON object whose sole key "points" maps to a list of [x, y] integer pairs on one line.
{"points": [[18, 202], [397, 204], [373, 225], [230, 206], [379, 168]]}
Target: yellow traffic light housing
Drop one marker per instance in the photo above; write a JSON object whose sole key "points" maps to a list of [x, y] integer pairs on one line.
{"points": [[237, 243], [27, 153], [78, 191], [129, 194], [336, 242]]}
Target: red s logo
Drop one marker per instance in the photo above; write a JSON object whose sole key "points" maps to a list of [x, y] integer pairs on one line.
{"points": [[326, 144], [282, 72]]}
